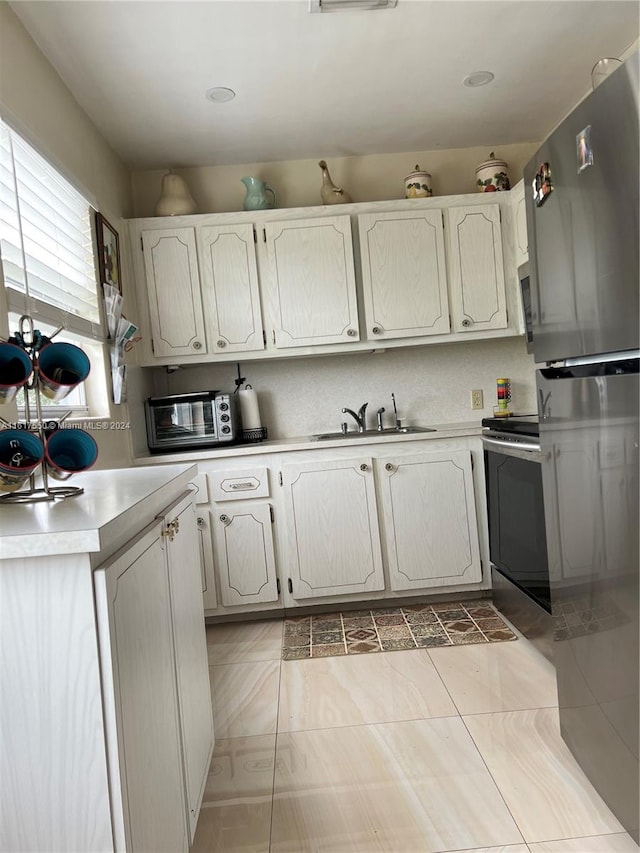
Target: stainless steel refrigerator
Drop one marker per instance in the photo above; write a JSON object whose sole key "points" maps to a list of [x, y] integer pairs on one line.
{"points": [[582, 220]]}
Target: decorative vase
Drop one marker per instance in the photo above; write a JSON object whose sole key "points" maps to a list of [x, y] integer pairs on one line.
{"points": [[175, 198], [417, 184], [257, 197], [492, 175], [329, 192]]}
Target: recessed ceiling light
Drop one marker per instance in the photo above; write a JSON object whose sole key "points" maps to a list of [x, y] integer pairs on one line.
{"points": [[219, 94], [478, 78]]}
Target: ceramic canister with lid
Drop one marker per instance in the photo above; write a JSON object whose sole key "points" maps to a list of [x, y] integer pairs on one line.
{"points": [[417, 184], [492, 175]]}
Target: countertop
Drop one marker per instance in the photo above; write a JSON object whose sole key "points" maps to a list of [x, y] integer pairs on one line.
{"points": [[286, 445], [114, 505]]}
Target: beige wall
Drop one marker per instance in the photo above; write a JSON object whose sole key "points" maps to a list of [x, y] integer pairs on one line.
{"points": [[35, 101], [217, 189]]}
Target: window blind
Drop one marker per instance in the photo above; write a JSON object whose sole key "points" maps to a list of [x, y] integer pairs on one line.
{"points": [[46, 241]]}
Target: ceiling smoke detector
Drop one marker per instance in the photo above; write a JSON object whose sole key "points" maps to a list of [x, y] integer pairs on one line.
{"points": [[478, 78], [350, 5]]}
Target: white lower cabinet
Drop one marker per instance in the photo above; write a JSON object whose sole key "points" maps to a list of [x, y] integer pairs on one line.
{"points": [[244, 556], [209, 594], [155, 677], [144, 715], [333, 542], [429, 520], [395, 521], [191, 658]]}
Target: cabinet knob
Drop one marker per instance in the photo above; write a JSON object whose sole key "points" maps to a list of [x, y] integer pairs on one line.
{"points": [[197, 345], [224, 519], [377, 330], [389, 467], [364, 467], [351, 333], [466, 322], [221, 344], [200, 522]]}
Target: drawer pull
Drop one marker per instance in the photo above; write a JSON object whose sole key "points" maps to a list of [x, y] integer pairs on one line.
{"points": [[242, 485]]}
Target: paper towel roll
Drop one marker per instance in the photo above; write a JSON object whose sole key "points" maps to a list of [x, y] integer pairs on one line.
{"points": [[249, 410]]}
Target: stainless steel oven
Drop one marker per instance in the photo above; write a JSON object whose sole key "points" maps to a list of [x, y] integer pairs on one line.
{"points": [[517, 533]]}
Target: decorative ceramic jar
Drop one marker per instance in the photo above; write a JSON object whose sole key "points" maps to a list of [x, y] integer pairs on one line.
{"points": [[492, 175], [417, 184], [175, 198]]}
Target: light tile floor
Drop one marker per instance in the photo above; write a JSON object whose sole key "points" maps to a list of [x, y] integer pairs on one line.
{"points": [[423, 751]]}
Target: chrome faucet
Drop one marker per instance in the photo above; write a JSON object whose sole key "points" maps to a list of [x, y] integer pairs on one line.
{"points": [[360, 417]]}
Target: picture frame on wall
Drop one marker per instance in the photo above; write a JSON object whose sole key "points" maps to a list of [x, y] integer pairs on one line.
{"points": [[108, 253]]}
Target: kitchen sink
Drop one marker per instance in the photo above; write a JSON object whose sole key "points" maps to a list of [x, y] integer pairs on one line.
{"points": [[370, 433]]}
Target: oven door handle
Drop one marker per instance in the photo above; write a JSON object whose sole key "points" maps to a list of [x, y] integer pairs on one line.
{"points": [[521, 450]]}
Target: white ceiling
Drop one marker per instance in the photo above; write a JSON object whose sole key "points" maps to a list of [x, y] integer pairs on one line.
{"points": [[328, 85]]}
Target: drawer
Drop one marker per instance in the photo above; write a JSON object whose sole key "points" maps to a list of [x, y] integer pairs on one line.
{"points": [[238, 484], [199, 483]]}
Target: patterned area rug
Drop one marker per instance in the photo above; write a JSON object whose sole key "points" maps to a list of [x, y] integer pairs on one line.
{"points": [[355, 632]]}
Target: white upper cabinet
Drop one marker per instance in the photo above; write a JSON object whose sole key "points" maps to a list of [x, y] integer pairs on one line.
{"points": [[476, 272], [230, 288], [312, 281], [286, 282], [404, 274], [173, 292], [518, 207]]}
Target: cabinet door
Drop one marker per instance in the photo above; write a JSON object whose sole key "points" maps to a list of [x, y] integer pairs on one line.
{"points": [[244, 554], [311, 272], [521, 240], [143, 679], [230, 288], [209, 596], [190, 643], [403, 274], [476, 272], [173, 291], [332, 528], [430, 522]]}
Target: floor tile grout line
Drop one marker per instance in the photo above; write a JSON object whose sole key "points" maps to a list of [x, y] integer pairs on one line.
{"points": [[498, 788], [376, 723], [275, 743]]}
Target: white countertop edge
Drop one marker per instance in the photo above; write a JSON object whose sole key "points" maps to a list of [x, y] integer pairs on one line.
{"points": [[285, 445], [86, 523]]}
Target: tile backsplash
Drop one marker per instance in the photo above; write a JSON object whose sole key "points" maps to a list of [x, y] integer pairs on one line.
{"points": [[432, 384]]}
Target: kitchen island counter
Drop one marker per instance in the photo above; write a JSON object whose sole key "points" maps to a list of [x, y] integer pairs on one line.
{"points": [[115, 504]]}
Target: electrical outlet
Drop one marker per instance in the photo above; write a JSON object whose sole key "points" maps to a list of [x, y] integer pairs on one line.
{"points": [[476, 399]]}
